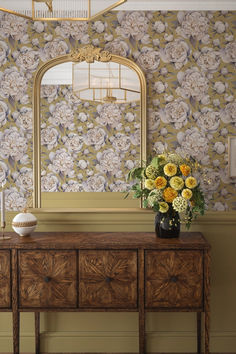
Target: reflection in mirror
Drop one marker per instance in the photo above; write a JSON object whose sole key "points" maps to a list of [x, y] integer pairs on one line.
{"points": [[90, 131]]}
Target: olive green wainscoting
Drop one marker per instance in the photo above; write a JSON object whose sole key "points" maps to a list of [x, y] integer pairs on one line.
{"points": [[118, 332]]}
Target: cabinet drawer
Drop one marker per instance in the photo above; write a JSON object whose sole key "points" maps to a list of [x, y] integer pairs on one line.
{"points": [[108, 279], [47, 279], [174, 279], [5, 280]]}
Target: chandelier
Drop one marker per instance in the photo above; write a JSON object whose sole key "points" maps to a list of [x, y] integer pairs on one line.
{"points": [[105, 82], [56, 10]]}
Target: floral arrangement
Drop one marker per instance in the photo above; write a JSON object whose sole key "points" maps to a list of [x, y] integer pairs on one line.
{"points": [[167, 185]]}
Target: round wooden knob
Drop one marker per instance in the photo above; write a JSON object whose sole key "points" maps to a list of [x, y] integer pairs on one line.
{"points": [[47, 279]]}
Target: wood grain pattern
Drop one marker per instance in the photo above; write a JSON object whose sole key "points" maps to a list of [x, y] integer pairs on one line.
{"points": [[174, 279], [47, 278], [5, 280], [108, 279]]}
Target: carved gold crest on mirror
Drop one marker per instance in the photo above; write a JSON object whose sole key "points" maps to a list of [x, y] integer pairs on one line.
{"points": [[89, 130]]}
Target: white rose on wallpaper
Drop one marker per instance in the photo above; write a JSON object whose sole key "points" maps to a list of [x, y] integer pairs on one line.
{"points": [[14, 27], [26, 59], [39, 26], [120, 142], [83, 117], [209, 180], [207, 119], [13, 84], [73, 142], [119, 186], [228, 114], [159, 26], [82, 164], [53, 49], [219, 87], [96, 183], [132, 25], [108, 162], [219, 206], [49, 137], [15, 200], [129, 117], [135, 138], [62, 163], [193, 84], [108, 37], [192, 24], [4, 51], [95, 137], [24, 179], [160, 87], [109, 114], [4, 171], [50, 92], [176, 52], [148, 59], [72, 186], [153, 120], [208, 59], [193, 142], [228, 98], [220, 27], [119, 47], [77, 30], [49, 183], [176, 113], [4, 113], [24, 119], [219, 147], [129, 164], [14, 145], [99, 26], [62, 114], [160, 147], [228, 53]]}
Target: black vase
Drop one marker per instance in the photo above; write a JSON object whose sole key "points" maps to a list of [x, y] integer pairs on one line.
{"points": [[167, 225]]}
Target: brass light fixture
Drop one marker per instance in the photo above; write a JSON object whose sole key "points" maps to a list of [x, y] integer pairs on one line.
{"points": [[59, 10], [105, 82]]}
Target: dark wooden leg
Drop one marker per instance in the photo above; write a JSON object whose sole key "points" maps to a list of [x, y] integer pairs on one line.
{"points": [[16, 331], [37, 332], [199, 332], [15, 312], [141, 304], [207, 299]]}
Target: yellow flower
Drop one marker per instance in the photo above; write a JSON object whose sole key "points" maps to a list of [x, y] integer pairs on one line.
{"points": [[150, 184], [151, 172], [191, 182], [169, 194], [177, 183], [170, 169], [160, 182], [162, 159], [187, 193], [185, 169], [163, 207]]}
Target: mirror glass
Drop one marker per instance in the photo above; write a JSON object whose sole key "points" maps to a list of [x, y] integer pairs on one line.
{"points": [[90, 134]]}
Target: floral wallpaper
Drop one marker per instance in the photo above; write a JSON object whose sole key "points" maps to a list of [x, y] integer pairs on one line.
{"points": [[87, 146], [189, 60]]}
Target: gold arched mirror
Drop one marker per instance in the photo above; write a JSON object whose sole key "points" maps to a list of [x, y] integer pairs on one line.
{"points": [[89, 130]]}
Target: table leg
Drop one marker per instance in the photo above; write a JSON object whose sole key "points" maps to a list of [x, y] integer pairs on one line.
{"points": [[16, 331], [199, 332], [141, 304], [37, 332]]}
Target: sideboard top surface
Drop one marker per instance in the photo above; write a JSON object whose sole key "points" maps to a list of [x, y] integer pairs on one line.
{"points": [[103, 240]]}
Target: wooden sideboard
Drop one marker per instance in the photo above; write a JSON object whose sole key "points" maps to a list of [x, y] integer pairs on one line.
{"points": [[88, 271]]}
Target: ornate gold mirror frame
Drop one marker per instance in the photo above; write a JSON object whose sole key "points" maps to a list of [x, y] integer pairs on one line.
{"points": [[88, 54]]}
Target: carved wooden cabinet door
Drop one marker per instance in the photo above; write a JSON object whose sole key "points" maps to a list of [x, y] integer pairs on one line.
{"points": [[108, 279], [174, 279], [5, 280], [47, 279]]}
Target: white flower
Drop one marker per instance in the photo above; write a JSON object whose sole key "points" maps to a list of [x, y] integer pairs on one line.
{"points": [[176, 52], [38, 26], [4, 51], [219, 87], [219, 147], [109, 114], [180, 204], [13, 26], [13, 144], [62, 114], [119, 186], [208, 120], [4, 171], [77, 30], [82, 164], [164, 71], [15, 200], [159, 86], [229, 53], [168, 37], [96, 183], [219, 206], [153, 120], [193, 143], [49, 137], [98, 26], [73, 142], [216, 102], [4, 112], [50, 92], [159, 27], [119, 47], [61, 162], [24, 179], [148, 59], [193, 24], [176, 113], [49, 183], [159, 147], [120, 142], [193, 84], [129, 117], [228, 114], [82, 117], [95, 137], [132, 24], [72, 186], [53, 49], [219, 26], [129, 164], [26, 59], [24, 118], [12, 84], [209, 60], [108, 161], [108, 37]]}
